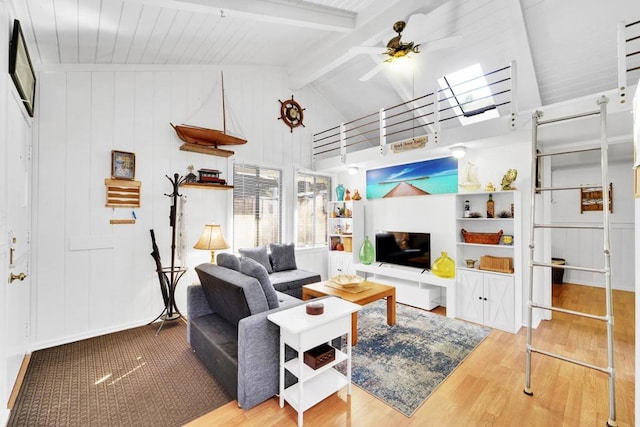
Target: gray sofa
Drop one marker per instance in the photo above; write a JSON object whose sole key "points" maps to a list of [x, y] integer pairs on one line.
{"points": [[229, 331], [280, 263]]}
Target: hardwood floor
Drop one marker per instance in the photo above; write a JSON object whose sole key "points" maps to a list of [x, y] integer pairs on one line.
{"points": [[486, 389]]}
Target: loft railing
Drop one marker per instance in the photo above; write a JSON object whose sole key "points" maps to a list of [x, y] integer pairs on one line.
{"points": [[426, 114], [628, 56]]}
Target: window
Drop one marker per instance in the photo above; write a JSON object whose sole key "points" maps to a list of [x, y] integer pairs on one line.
{"points": [[257, 206], [311, 209], [468, 92]]}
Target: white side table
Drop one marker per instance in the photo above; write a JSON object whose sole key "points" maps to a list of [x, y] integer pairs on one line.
{"points": [[303, 332]]}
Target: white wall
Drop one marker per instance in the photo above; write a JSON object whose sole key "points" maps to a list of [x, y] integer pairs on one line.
{"points": [[435, 214], [585, 247], [92, 277]]}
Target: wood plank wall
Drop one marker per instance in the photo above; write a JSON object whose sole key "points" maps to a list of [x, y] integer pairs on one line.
{"points": [[585, 247], [92, 277]]}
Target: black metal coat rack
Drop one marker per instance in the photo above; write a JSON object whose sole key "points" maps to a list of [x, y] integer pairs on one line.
{"points": [[169, 276]]}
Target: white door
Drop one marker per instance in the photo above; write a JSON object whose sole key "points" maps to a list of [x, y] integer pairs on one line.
{"points": [[18, 210]]}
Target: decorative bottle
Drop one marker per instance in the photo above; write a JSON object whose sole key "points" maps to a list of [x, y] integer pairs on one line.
{"points": [[340, 192], [490, 207], [366, 251], [444, 266], [467, 209]]}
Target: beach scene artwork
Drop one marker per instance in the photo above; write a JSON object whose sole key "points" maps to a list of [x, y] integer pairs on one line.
{"points": [[438, 176]]}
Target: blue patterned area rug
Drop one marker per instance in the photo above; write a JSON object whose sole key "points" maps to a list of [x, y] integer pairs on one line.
{"points": [[403, 364]]}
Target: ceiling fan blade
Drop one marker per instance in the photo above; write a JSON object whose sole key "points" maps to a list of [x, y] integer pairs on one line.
{"points": [[443, 43], [375, 50], [375, 70]]}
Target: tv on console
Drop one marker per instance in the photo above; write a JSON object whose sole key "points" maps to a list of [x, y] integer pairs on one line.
{"points": [[404, 248]]}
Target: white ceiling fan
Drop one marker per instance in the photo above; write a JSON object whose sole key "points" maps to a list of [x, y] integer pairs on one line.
{"points": [[397, 48]]}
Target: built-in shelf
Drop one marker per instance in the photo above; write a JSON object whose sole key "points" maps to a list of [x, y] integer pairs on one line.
{"points": [[208, 186], [485, 246]]}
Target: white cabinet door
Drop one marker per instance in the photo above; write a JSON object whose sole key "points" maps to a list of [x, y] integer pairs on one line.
{"points": [[469, 296], [340, 263], [486, 298], [499, 309]]}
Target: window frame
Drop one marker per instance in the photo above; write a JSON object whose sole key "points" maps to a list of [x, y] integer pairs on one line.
{"points": [[472, 115], [316, 242], [240, 190]]}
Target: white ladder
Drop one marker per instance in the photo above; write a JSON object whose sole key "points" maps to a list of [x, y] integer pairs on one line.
{"points": [[537, 187]]}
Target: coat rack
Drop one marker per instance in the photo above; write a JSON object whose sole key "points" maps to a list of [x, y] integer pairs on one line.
{"points": [[169, 276]]}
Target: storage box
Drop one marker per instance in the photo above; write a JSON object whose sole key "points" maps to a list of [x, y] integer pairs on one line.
{"points": [[348, 244], [319, 356], [494, 263]]}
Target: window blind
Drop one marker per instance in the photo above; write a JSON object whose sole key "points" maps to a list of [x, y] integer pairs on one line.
{"points": [[257, 206], [311, 209]]}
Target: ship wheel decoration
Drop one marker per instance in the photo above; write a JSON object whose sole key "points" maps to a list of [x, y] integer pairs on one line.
{"points": [[291, 113]]}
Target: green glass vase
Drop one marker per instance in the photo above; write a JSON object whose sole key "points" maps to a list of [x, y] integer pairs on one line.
{"points": [[444, 266], [366, 251]]}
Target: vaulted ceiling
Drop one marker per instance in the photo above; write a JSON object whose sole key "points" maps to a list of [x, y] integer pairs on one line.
{"points": [[563, 49]]}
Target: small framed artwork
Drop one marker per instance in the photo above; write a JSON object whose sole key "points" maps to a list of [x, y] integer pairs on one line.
{"points": [[123, 165], [21, 69]]}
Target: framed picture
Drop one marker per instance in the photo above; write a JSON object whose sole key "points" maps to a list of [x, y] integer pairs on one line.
{"points": [[21, 69], [123, 165]]}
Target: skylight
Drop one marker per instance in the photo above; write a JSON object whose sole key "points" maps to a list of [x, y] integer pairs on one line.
{"points": [[468, 93]]}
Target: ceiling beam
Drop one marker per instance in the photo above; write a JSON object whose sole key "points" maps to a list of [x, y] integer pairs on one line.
{"points": [[305, 15], [529, 88], [371, 27]]}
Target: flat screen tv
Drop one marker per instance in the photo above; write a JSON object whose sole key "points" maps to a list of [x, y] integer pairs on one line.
{"points": [[404, 248]]}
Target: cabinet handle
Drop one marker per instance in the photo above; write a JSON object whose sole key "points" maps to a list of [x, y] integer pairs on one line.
{"points": [[480, 298], [485, 299]]}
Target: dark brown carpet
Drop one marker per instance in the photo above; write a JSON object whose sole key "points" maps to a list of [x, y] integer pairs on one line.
{"points": [[128, 378]]}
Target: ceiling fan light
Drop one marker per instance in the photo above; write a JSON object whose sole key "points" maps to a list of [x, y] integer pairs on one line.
{"points": [[402, 64], [352, 170]]}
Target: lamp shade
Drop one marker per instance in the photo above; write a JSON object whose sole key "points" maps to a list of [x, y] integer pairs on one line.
{"points": [[211, 240]]}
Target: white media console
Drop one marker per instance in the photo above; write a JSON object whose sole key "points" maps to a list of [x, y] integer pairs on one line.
{"points": [[414, 286]]}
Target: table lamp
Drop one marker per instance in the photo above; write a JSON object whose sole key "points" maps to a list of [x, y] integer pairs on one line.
{"points": [[211, 239]]}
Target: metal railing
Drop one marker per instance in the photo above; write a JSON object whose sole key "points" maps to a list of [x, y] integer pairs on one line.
{"points": [[426, 114], [628, 56]]}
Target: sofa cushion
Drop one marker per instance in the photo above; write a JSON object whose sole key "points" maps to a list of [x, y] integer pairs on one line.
{"points": [[283, 256], [231, 294], [228, 260], [291, 281], [258, 254], [252, 268], [215, 342]]}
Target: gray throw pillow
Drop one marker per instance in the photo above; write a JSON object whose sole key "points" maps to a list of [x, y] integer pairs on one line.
{"points": [[258, 254], [283, 256], [252, 268], [228, 260]]}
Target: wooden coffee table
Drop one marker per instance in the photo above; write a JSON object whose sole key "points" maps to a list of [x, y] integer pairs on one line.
{"points": [[375, 292]]}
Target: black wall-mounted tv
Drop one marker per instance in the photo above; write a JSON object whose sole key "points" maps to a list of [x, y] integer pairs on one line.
{"points": [[404, 248]]}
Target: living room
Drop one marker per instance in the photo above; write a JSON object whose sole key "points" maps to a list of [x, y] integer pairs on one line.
{"points": [[90, 277]]}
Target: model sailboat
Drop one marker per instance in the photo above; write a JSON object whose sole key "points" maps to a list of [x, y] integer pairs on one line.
{"points": [[468, 179], [207, 141]]}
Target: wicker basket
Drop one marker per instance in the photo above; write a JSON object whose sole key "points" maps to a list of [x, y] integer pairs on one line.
{"points": [[482, 238]]}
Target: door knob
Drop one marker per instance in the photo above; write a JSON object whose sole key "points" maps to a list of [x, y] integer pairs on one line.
{"points": [[20, 277]]}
